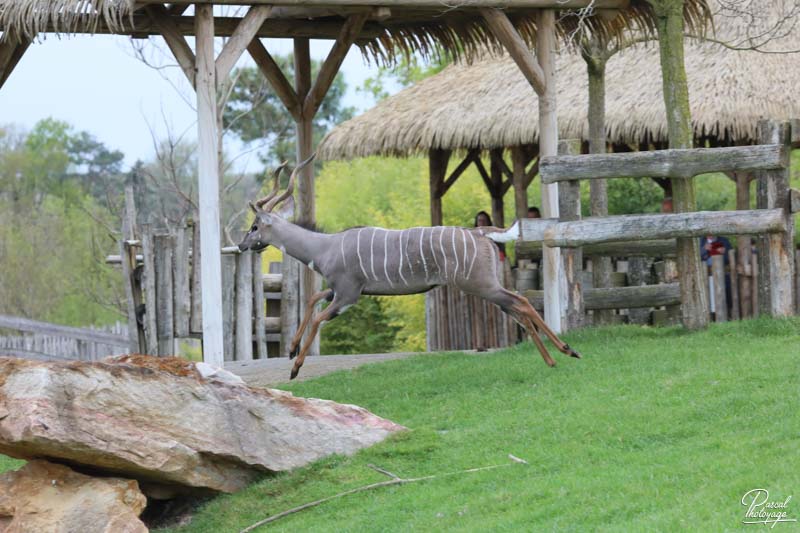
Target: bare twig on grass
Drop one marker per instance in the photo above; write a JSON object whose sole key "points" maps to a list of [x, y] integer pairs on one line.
{"points": [[395, 480]]}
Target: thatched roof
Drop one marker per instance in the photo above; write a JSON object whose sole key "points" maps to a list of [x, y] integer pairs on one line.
{"points": [[490, 104], [427, 31]]}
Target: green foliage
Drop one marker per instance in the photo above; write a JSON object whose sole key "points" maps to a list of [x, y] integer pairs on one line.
{"points": [[255, 113], [373, 335], [654, 430], [629, 196], [7, 463]]}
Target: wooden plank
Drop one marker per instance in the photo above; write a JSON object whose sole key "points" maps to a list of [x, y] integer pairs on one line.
{"points": [[638, 276], [648, 248], [242, 36], [163, 247], [11, 52], [794, 201], [776, 257], [259, 308], [664, 163], [272, 282], [290, 294], [720, 299], [734, 315], [181, 281], [229, 306], [622, 297], [244, 307], [330, 67], [174, 39], [46, 328], [196, 319], [277, 80], [517, 48], [149, 273], [630, 227], [208, 178], [128, 262]]}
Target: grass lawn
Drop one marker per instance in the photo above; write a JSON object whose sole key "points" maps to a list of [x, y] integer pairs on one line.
{"points": [[655, 429]]}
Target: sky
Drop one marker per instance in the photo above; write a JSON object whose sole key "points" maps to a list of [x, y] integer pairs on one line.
{"points": [[98, 85]]}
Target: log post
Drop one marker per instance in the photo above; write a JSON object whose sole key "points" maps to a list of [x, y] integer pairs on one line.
{"points": [[437, 167], [744, 247], [735, 308], [569, 205], [638, 275], [720, 300], [554, 282], [669, 24], [776, 251], [151, 307], [133, 295], [208, 178], [518, 160], [496, 190]]}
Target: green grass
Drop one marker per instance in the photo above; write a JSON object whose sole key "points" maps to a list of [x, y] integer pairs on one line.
{"points": [[655, 429], [7, 463]]}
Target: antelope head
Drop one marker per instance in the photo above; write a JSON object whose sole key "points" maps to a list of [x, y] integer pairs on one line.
{"points": [[259, 236]]}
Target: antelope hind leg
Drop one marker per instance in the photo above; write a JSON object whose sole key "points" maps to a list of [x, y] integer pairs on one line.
{"points": [[312, 303], [329, 313], [539, 323], [510, 304]]}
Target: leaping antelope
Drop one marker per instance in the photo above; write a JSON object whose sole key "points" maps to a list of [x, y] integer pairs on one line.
{"points": [[377, 261]]}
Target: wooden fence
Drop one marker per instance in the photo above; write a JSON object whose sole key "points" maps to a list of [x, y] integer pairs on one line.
{"points": [[772, 223], [45, 341], [162, 284]]}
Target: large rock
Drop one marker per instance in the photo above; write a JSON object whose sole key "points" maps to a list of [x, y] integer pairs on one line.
{"points": [[43, 496], [159, 420]]}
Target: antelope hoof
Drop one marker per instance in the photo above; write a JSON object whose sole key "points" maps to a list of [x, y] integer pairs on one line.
{"points": [[572, 353], [293, 353], [294, 373]]}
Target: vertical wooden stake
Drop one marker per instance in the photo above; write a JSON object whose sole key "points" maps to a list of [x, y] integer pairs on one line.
{"points": [[520, 190], [208, 178], [720, 300], [163, 246], [735, 312], [260, 308], [151, 312], [554, 282], [244, 306], [569, 206]]}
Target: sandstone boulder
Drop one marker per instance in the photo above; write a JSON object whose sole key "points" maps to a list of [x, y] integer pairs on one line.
{"points": [[43, 496], [158, 420]]}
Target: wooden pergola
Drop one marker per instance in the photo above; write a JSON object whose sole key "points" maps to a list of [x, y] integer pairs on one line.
{"points": [[383, 29]]}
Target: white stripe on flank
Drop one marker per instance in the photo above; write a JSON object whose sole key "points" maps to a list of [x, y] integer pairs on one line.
{"points": [[400, 270], [358, 252], [433, 254], [422, 254], [464, 238], [372, 253], [441, 247], [408, 255], [455, 254], [344, 259], [386, 257], [474, 253]]}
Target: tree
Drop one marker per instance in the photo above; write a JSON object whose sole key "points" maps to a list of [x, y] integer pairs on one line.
{"points": [[406, 72], [255, 113]]}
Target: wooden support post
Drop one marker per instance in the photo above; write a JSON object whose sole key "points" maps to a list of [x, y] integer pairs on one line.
{"points": [[243, 35], [272, 72], [569, 206], [775, 256], [175, 39], [744, 247], [437, 167], [151, 307], [554, 282], [504, 31], [228, 307], [720, 300], [208, 178], [244, 306], [163, 248], [180, 280], [259, 308], [496, 190], [196, 319], [754, 285], [133, 293], [518, 161], [735, 309]]}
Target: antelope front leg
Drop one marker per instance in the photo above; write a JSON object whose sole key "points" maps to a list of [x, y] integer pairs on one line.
{"points": [[327, 294], [329, 313]]}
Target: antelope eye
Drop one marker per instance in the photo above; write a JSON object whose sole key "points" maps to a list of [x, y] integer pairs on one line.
{"points": [[254, 228]]}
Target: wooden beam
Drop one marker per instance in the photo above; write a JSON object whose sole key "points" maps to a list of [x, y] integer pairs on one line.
{"points": [[664, 163], [10, 54], [45, 328], [654, 248], [633, 227], [243, 35], [517, 48], [329, 69], [503, 4], [484, 175], [468, 160], [208, 178], [176, 10], [635, 297], [174, 39], [437, 167], [531, 173], [270, 69]]}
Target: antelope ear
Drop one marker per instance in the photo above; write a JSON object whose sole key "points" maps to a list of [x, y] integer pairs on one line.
{"points": [[286, 210]]}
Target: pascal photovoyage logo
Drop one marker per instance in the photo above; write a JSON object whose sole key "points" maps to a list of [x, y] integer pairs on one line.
{"points": [[761, 510]]}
